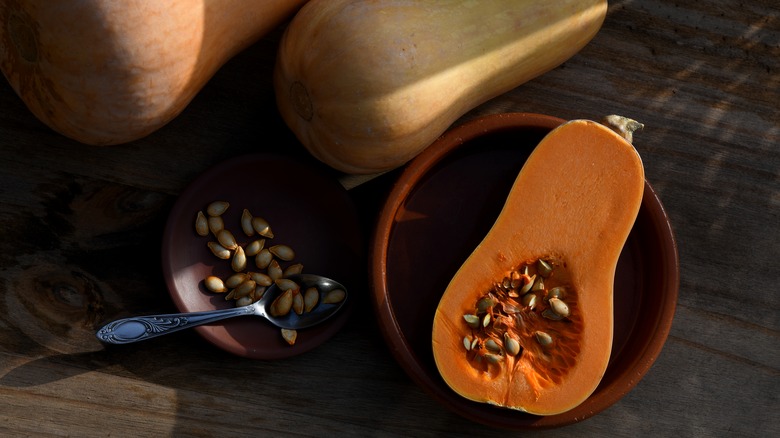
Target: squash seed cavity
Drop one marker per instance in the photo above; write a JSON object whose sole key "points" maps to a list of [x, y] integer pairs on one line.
{"points": [[526, 316]]}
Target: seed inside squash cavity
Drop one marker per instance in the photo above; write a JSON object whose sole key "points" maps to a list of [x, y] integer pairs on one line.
{"points": [[559, 307], [511, 345], [472, 321], [544, 339]]}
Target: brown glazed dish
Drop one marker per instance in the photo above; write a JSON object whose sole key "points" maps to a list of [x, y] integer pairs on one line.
{"points": [[306, 209], [439, 209]]}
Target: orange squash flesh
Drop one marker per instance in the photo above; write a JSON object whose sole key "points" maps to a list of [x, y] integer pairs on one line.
{"points": [[574, 202]]}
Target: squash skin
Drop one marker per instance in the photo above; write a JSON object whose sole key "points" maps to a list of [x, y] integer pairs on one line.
{"points": [[108, 72], [576, 199], [366, 86]]}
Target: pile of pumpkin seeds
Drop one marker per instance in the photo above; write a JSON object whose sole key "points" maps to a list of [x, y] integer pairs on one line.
{"points": [[506, 318], [255, 266]]}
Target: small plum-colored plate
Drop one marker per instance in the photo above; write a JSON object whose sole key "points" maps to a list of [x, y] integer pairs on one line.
{"points": [[442, 205], [306, 209]]}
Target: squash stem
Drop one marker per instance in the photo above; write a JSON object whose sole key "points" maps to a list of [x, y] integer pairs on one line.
{"points": [[624, 126]]}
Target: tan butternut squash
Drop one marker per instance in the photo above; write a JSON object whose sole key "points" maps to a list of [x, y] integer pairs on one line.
{"points": [[366, 86], [107, 72], [526, 322]]}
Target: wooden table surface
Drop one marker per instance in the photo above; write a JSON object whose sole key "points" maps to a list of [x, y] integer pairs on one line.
{"points": [[81, 227]]}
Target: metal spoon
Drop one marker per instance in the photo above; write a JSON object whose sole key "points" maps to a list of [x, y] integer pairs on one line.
{"points": [[139, 328]]}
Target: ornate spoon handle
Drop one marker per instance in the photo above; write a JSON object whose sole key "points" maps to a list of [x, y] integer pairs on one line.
{"points": [[138, 328]]}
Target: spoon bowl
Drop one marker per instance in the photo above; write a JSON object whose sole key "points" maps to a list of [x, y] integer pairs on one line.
{"points": [[139, 328]]}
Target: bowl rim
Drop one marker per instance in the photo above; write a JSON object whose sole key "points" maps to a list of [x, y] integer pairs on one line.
{"points": [[400, 348]]}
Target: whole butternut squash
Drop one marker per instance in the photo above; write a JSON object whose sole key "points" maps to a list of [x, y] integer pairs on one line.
{"points": [[367, 85], [526, 322], [107, 71]]}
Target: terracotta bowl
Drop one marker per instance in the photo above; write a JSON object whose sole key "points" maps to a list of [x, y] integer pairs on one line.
{"points": [[442, 205]]}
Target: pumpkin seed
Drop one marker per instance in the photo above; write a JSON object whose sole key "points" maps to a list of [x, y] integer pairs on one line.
{"points": [[244, 289], [294, 269], [484, 304], [234, 280], [310, 298], [493, 358], [246, 223], [254, 247], [538, 284], [289, 336], [283, 252], [216, 208], [274, 270], [527, 287], [229, 296], [297, 304], [467, 343], [226, 239], [550, 314], [529, 300], [258, 293], [472, 321], [334, 296], [216, 224], [516, 280], [559, 307], [286, 283], [215, 284], [262, 227], [543, 268], [261, 279], [244, 301], [282, 304], [219, 250], [486, 320], [239, 260], [263, 258], [492, 346], [556, 292], [543, 338], [511, 345], [201, 224]]}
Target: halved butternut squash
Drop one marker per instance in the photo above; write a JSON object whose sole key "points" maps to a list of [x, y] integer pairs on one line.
{"points": [[526, 322]]}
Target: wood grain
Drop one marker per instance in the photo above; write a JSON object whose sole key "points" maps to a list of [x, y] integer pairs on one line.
{"points": [[81, 228]]}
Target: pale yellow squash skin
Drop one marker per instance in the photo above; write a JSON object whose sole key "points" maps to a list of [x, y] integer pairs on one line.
{"points": [[367, 85], [112, 71], [575, 199]]}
